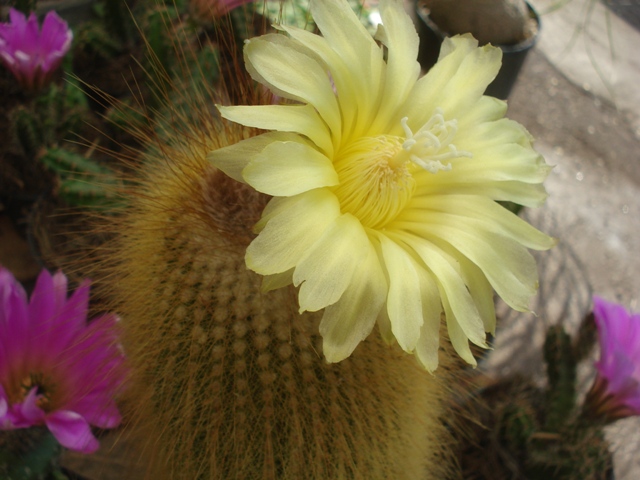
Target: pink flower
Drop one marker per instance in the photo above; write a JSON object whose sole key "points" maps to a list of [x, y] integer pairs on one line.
{"points": [[31, 54], [616, 391], [55, 369]]}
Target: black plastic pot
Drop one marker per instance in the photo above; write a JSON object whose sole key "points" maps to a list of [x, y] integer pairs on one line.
{"points": [[513, 56]]}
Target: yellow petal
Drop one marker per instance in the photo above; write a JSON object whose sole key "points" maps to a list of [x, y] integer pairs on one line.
{"points": [[451, 285], [404, 301], [508, 266], [232, 159], [476, 71], [292, 74], [455, 84], [289, 168], [278, 280], [479, 288], [363, 57], [485, 213], [457, 335], [505, 162], [301, 119], [325, 271], [291, 231], [486, 109], [489, 134], [398, 34], [318, 48], [429, 342], [350, 320], [384, 326], [529, 195]]}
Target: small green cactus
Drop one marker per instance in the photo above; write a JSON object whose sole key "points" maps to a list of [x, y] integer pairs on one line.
{"points": [[93, 39], [82, 181], [49, 118], [574, 454], [160, 42], [561, 374], [585, 338], [29, 454], [26, 130]]}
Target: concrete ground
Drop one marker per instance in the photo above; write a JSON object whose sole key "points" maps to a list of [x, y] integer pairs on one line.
{"points": [[579, 95]]}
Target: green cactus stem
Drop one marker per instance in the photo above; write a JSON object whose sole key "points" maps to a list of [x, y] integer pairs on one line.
{"points": [[52, 116], [561, 375], [82, 181], [26, 130]]}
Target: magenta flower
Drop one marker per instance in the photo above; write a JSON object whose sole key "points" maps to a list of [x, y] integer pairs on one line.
{"points": [[56, 370], [31, 54], [616, 391]]}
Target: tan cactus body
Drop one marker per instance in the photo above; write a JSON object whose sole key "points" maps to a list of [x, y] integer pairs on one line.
{"points": [[229, 382]]}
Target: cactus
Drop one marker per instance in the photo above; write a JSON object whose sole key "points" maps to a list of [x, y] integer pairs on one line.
{"points": [[29, 454], [82, 181], [229, 381], [585, 339], [39, 127], [160, 41], [561, 374], [94, 39], [26, 130], [507, 437], [51, 116], [575, 454]]}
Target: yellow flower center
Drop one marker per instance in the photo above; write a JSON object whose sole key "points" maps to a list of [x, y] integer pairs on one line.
{"points": [[44, 390], [375, 173], [373, 187]]}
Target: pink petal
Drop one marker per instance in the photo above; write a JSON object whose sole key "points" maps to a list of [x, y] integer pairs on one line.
{"points": [[72, 431], [54, 31], [27, 413], [55, 41], [42, 306], [99, 410], [14, 324], [70, 316], [25, 31], [60, 288], [4, 404], [30, 408], [95, 352], [17, 18]]}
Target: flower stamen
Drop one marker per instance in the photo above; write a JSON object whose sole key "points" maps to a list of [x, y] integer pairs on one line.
{"points": [[372, 187], [423, 147]]}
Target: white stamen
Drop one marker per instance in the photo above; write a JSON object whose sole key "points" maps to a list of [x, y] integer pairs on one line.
{"points": [[423, 147]]}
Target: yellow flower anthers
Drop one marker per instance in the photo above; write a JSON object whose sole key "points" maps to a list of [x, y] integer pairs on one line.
{"points": [[385, 184]]}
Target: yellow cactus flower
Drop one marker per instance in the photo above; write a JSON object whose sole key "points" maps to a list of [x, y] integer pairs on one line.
{"points": [[385, 184]]}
